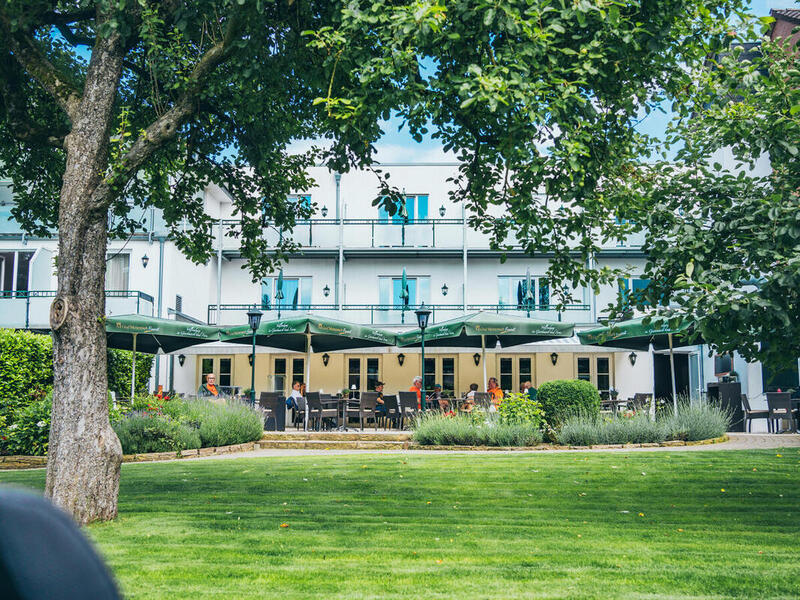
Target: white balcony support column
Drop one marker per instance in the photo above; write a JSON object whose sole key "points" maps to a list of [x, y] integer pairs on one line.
{"points": [[592, 264], [219, 272], [339, 291], [464, 254], [157, 377]]}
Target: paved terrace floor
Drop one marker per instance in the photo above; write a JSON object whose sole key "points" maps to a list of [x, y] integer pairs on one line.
{"points": [[737, 441]]}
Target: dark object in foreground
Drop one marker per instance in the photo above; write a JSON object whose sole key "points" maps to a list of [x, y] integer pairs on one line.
{"points": [[44, 556]]}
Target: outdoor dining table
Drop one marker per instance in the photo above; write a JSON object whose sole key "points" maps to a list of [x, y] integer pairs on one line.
{"points": [[614, 403]]}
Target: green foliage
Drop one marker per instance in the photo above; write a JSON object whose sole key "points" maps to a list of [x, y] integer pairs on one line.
{"points": [[29, 432], [520, 409], [179, 424], [476, 429], [567, 397], [700, 421], [120, 363], [26, 366], [147, 432]]}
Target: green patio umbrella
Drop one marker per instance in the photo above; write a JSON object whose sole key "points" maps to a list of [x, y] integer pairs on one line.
{"points": [[298, 334], [279, 292], [472, 331], [151, 334], [404, 295], [635, 334]]}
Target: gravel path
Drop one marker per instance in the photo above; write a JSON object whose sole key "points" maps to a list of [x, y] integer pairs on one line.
{"points": [[737, 441]]}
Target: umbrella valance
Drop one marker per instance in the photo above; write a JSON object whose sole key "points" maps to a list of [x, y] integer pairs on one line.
{"points": [[634, 334], [467, 331], [153, 334]]}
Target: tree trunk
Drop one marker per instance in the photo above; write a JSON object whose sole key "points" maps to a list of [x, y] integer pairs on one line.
{"points": [[84, 459]]}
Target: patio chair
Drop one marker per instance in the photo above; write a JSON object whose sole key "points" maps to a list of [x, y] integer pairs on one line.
{"points": [[365, 409], [274, 407], [317, 412], [640, 402], [300, 414], [483, 399], [750, 414], [779, 405], [409, 406], [392, 411]]}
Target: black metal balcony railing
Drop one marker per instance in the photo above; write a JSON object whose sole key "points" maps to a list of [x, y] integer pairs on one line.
{"points": [[142, 299], [386, 314]]}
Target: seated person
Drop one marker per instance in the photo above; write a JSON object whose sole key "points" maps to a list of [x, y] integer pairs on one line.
{"points": [[469, 399], [435, 398], [209, 388], [381, 405], [494, 391], [527, 388], [291, 401], [416, 386]]}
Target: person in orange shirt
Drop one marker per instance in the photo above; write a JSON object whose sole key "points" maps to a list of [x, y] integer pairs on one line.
{"points": [[209, 388], [416, 386], [495, 393]]}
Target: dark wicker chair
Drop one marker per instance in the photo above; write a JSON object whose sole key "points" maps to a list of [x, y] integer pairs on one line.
{"points": [[318, 413], [409, 406], [482, 399], [640, 402], [272, 403], [365, 409], [779, 405], [750, 414], [392, 414]]}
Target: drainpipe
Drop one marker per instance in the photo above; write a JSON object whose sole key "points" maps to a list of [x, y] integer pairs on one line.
{"points": [[464, 254], [219, 273], [592, 264], [339, 290]]}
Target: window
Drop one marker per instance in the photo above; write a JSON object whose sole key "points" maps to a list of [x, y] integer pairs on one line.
{"points": [[354, 373], [178, 303], [415, 207], [15, 270], [634, 285], [296, 292], [206, 367], [298, 370], [513, 289], [280, 375], [506, 374], [584, 368], [224, 372], [603, 376], [117, 270], [372, 373], [525, 373], [389, 290], [430, 374], [448, 374]]}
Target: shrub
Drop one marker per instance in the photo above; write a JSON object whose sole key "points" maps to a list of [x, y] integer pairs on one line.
{"points": [[520, 409], [231, 423], [564, 398], [29, 432], [120, 363], [698, 421], [139, 433], [26, 364], [475, 429]]}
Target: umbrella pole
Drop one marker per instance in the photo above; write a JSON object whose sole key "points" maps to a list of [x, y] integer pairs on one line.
{"points": [[133, 370], [483, 360], [308, 379], [672, 374]]}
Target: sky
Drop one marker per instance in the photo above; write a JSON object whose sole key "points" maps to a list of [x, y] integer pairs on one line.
{"points": [[398, 146]]}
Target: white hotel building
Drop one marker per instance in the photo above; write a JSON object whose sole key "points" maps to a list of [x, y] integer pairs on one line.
{"points": [[348, 266]]}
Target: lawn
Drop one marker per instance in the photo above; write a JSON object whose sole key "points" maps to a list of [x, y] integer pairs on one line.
{"points": [[638, 525]]}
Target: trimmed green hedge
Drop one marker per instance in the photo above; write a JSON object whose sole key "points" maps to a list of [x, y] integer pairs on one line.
{"points": [[566, 397], [119, 372], [26, 365]]}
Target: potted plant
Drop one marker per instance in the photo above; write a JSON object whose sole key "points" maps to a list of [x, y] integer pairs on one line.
{"points": [[613, 393]]}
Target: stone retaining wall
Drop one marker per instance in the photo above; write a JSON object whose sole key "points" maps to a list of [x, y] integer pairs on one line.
{"points": [[668, 443], [38, 462]]}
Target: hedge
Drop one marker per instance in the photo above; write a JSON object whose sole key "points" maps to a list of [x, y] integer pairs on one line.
{"points": [[119, 372], [566, 397]]}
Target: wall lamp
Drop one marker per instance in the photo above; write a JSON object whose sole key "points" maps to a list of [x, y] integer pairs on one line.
{"points": [[554, 358], [324, 211], [181, 359], [326, 358], [326, 291], [477, 358], [145, 260], [250, 359], [442, 210], [445, 289], [632, 358], [401, 358]]}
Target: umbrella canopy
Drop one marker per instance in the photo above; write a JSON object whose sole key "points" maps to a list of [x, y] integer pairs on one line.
{"points": [[154, 334], [633, 334], [327, 334], [151, 334], [472, 329]]}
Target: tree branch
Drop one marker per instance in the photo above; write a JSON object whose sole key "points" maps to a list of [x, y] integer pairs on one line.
{"points": [[34, 61], [164, 128]]}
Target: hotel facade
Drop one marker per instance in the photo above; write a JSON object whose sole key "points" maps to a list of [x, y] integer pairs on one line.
{"points": [[349, 263]]}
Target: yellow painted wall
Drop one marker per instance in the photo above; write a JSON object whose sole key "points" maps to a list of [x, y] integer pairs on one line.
{"points": [[546, 371]]}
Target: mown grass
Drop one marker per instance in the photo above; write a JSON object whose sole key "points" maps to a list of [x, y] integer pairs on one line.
{"points": [[574, 525]]}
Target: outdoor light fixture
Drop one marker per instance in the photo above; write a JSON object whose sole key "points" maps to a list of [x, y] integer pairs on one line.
{"points": [[325, 358], [442, 210], [477, 358], [445, 289], [324, 211], [254, 320], [423, 314], [326, 291], [554, 358], [145, 260], [401, 358], [181, 359], [632, 358], [250, 359]]}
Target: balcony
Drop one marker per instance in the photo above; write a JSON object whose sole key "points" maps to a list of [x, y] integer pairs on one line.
{"points": [[365, 236], [387, 314], [31, 309]]}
